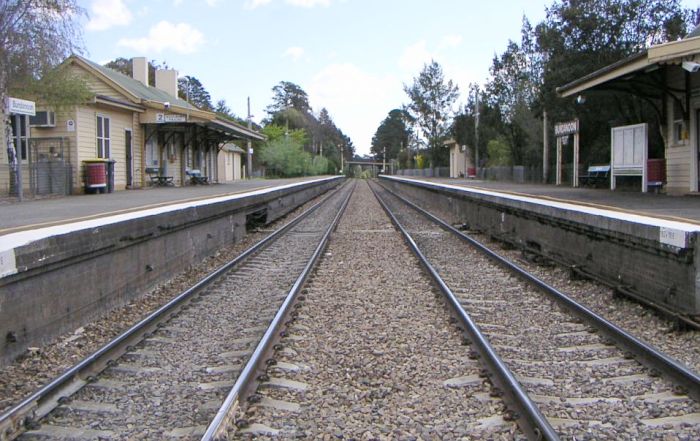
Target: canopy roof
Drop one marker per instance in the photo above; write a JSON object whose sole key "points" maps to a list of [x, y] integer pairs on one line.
{"points": [[622, 74]]}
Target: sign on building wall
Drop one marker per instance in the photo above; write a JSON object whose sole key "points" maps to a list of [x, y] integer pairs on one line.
{"points": [[167, 118], [20, 107]]}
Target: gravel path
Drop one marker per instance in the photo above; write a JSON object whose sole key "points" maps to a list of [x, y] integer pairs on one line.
{"points": [[38, 366], [586, 387], [373, 353]]}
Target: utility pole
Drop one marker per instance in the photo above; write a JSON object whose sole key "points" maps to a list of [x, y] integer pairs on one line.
{"points": [[249, 151], [342, 169], [384, 161], [545, 147], [476, 131]]}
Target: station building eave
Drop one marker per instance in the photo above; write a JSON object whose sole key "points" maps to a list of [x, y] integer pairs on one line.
{"points": [[646, 61]]}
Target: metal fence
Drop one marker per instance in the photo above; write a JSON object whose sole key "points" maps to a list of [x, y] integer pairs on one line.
{"points": [[47, 171], [517, 174], [437, 172]]}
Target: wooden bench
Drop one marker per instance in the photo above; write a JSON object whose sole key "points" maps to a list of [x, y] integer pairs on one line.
{"points": [[595, 176], [196, 177], [157, 179]]}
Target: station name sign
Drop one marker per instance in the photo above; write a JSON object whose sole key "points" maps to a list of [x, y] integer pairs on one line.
{"points": [[163, 118], [20, 107], [566, 128]]}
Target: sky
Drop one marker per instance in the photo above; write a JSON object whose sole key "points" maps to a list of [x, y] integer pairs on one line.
{"points": [[352, 57]]}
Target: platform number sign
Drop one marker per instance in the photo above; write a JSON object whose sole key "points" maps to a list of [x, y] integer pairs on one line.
{"points": [[8, 265]]}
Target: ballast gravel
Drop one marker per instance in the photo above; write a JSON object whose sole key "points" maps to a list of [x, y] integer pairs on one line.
{"points": [[38, 366], [375, 349]]}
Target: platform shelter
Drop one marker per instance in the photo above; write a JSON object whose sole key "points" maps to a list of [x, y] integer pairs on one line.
{"points": [[667, 75]]}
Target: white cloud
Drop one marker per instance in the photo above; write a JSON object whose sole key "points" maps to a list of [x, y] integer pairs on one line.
{"points": [[181, 37], [212, 3], [414, 57], [356, 100], [252, 4], [450, 41], [294, 52], [309, 3], [108, 13]]}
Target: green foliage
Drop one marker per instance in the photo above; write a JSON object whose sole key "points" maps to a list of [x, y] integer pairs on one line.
{"points": [[576, 38], [58, 89], [420, 161], [287, 95], [279, 133], [498, 153], [431, 107], [284, 158], [290, 114], [35, 36], [191, 89], [393, 134]]}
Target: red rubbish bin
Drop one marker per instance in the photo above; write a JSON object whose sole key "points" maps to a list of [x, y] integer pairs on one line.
{"points": [[95, 176], [656, 170]]}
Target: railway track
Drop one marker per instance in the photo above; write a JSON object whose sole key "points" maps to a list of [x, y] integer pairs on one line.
{"points": [[590, 379], [361, 349], [372, 353], [168, 375]]}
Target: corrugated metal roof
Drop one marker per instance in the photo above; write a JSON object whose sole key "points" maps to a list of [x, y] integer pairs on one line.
{"points": [[136, 87], [232, 148]]}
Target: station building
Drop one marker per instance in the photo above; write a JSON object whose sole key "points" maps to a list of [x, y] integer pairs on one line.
{"points": [[145, 130], [667, 75]]}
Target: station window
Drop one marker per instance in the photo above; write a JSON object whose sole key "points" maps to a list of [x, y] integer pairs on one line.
{"points": [[103, 140], [21, 141]]}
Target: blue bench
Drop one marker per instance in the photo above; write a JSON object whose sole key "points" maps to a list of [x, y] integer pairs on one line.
{"points": [[196, 177], [595, 176]]}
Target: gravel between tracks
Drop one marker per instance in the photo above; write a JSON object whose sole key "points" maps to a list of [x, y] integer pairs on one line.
{"points": [[375, 346], [38, 366], [639, 320]]}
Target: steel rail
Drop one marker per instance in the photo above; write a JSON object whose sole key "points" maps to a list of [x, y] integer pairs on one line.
{"points": [[530, 419], [43, 401], [224, 417], [645, 353]]}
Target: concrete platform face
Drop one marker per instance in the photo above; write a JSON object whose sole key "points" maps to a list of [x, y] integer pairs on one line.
{"points": [[37, 213], [56, 278], [628, 240]]}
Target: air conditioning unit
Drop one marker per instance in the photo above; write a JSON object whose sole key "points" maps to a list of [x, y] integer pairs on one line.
{"points": [[43, 118]]}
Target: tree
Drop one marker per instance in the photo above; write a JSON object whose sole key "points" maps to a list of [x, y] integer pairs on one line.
{"points": [[35, 36], [191, 89], [431, 107], [288, 95], [393, 134]]}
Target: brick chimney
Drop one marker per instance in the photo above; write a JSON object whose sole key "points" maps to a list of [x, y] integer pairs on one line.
{"points": [[139, 68], [166, 80]]}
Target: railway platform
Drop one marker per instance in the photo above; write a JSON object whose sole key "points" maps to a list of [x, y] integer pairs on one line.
{"points": [[679, 208], [66, 261], [642, 245], [40, 213]]}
